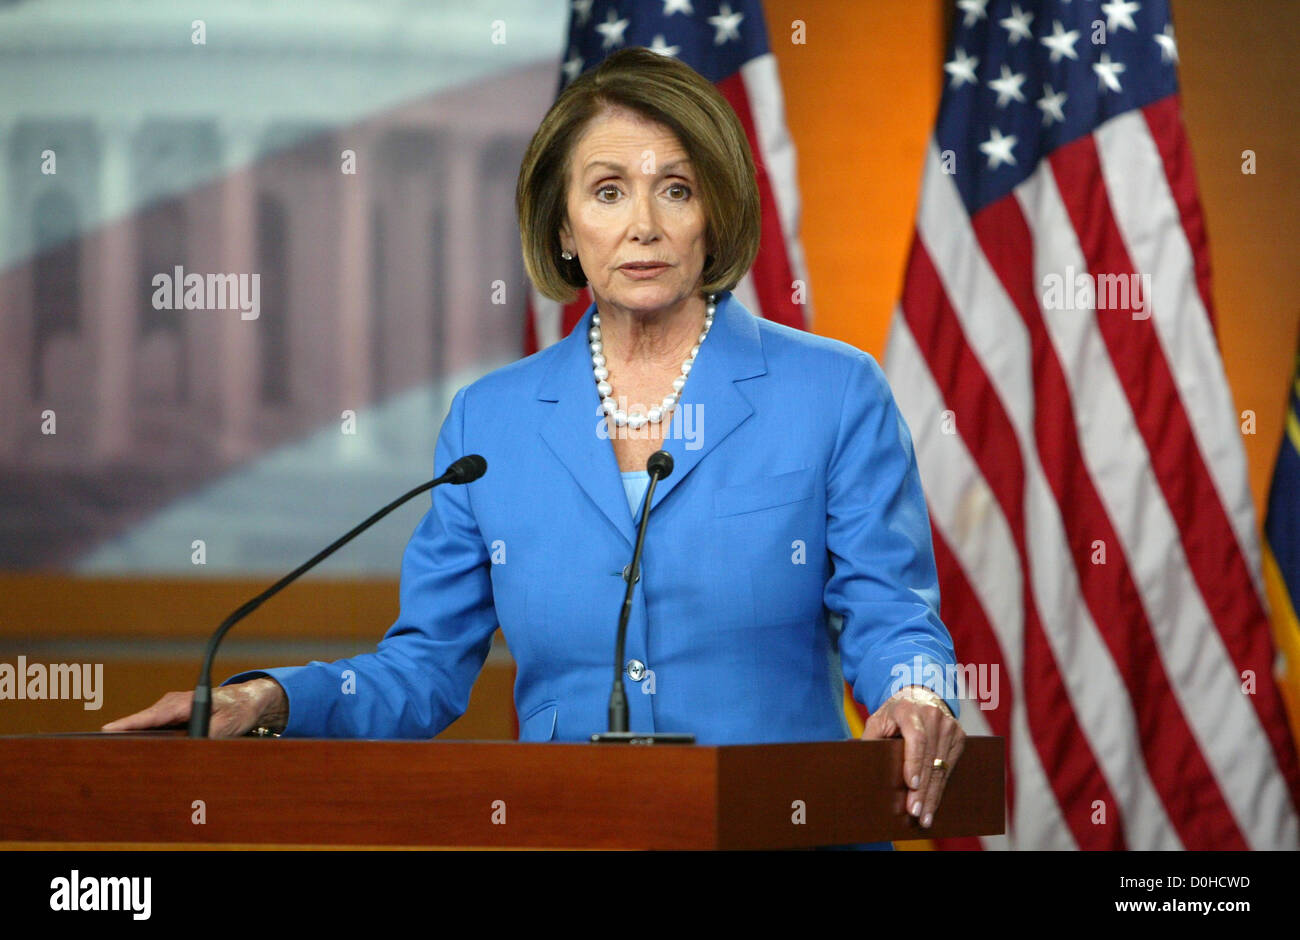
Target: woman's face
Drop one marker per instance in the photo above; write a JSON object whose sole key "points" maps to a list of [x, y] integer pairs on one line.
{"points": [[632, 199]]}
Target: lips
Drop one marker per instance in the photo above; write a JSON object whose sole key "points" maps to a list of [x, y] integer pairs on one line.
{"points": [[643, 270]]}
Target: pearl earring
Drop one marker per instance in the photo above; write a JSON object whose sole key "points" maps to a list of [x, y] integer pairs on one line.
{"points": [[566, 255]]}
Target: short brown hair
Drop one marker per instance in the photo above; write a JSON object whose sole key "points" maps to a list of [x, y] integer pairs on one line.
{"points": [[667, 91]]}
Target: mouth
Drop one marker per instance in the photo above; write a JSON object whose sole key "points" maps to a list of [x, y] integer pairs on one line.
{"points": [[642, 269]]}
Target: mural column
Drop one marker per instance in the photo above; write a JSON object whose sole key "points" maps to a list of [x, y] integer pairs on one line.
{"points": [[354, 287], [408, 350], [467, 286], [112, 296], [12, 387], [237, 376]]}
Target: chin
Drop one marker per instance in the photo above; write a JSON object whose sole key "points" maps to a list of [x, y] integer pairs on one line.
{"points": [[648, 297]]}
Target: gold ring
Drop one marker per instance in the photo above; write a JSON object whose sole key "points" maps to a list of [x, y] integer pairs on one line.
{"points": [[940, 764]]}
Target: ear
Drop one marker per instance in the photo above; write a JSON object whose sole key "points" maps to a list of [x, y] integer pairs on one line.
{"points": [[566, 238]]}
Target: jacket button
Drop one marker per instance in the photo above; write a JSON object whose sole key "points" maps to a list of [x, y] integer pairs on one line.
{"points": [[635, 670]]}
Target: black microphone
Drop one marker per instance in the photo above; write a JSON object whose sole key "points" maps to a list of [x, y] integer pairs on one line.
{"points": [[465, 470], [659, 466]]}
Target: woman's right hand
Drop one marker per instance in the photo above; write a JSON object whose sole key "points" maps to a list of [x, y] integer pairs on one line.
{"points": [[236, 710]]}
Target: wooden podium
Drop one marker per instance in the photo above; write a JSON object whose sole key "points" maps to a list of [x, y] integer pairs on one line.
{"points": [[134, 791]]}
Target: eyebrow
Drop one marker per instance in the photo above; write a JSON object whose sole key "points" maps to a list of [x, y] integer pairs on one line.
{"points": [[619, 169]]}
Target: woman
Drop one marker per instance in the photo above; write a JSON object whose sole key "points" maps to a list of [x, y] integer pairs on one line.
{"points": [[789, 549]]}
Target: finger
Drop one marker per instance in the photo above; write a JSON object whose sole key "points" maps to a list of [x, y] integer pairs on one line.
{"points": [[880, 726], [930, 721], [151, 717], [917, 748], [172, 708], [949, 748]]}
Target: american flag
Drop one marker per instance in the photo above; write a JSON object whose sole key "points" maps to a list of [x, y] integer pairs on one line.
{"points": [[1079, 446], [726, 42]]}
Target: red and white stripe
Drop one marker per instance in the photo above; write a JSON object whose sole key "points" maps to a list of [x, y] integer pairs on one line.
{"points": [[1124, 711], [768, 289]]}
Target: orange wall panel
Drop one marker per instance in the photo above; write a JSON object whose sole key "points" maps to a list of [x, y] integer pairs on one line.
{"points": [[861, 96]]}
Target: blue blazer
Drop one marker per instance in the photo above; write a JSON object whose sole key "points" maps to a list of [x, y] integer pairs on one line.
{"points": [[789, 550]]}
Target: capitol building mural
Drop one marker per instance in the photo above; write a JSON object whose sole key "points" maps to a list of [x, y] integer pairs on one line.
{"points": [[358, 158]]}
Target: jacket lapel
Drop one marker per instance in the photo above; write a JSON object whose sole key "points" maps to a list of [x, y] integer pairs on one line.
{"points": [[733, 351], [712, 406], [571, 431]]}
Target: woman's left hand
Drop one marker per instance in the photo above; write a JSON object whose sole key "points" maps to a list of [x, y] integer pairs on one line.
{"points": [[930, 733]]}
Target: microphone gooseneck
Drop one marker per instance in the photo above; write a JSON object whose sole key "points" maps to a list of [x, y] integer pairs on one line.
{"points": [[659, 466], [465, 470]]}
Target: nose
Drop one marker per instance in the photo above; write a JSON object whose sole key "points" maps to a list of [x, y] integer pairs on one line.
{"points": [[645, 224]]}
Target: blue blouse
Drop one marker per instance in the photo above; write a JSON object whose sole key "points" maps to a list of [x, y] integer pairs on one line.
{"points": [[635, 483]]}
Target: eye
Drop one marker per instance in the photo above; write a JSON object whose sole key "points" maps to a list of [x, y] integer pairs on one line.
{"points": [[603, 189], [686, 190]]}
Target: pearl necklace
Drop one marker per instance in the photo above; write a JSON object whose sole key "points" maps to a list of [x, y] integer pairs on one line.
{"points": [[656, 414]]}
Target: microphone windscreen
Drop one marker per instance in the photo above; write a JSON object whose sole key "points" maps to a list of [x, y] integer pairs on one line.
{"points": [[467, 469], [661, 463]]}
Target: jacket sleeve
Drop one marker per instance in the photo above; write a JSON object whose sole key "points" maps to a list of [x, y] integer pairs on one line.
{"points": [[883, 586], [418, 680]]}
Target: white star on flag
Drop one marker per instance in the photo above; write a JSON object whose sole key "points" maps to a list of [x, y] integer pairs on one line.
{"points": [[725, 23], [659, 46], [1017, 24], [582, 9], [961, 68], [678, 6], [974, 10], [1050, 105], [1168, 47], [998, 149], [1108, 72], [1060, 42], [612, 29], [1120, 13], [572, 66], [1008, 86]]}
